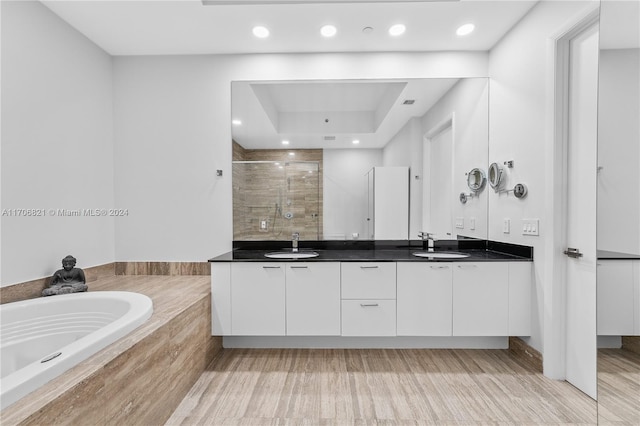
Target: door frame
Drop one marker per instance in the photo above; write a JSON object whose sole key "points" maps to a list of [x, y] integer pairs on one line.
{"points": [[554, 325]]}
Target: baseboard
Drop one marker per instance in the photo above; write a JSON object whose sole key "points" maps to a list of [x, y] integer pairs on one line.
{"points": [[521, 350], [163, 268], [631, 343]]}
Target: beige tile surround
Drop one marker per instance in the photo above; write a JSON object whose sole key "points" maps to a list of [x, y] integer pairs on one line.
{"points": [[33, 289], [256, 190], [142, 377]]}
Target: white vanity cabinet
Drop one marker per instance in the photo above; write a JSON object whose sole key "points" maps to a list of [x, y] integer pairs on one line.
{"points": [[275, 299], [372, 299], [368, 298], [424, 303], [258, 299], [313, 299], [464, 299], [618, 297]]}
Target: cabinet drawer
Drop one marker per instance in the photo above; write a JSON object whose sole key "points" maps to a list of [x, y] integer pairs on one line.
{"points": [[368, 280], [368, 317]]}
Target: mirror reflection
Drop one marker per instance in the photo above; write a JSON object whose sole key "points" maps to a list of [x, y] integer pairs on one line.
{"points": [[618, 228], [305, 154]]}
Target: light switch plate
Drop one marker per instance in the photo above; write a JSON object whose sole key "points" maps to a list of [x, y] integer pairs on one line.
{"points": [[460, 222], [530, 227], [472, 223], [506, 225]]}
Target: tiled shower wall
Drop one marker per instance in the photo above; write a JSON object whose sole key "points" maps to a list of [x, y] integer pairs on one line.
{"points": [[263, 192]]}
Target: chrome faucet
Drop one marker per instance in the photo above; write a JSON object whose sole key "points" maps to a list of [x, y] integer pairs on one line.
{"points": [[295, 237], [427, 240]]}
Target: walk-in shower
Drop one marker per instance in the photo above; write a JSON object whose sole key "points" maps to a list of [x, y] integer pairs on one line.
{"points": [[273, 199]]}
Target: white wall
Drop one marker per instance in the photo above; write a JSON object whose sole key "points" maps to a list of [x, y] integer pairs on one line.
{"points": [[345, 190], [57, 143], [520, 68], [172, 131], [468, 103], [619, 151]]}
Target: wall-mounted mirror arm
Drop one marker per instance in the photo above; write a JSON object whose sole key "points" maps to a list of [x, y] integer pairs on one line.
{"points": [[464, 197], [520, 190]]}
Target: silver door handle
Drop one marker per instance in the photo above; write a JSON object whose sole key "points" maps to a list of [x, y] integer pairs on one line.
{"points": [[368, 267], [439, 267], [299, 267], [270, 267], [573, 252], [364, 305]]}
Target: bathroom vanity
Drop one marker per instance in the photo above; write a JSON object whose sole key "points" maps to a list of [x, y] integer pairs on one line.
{"points": [[618, 294], [368, 289]]}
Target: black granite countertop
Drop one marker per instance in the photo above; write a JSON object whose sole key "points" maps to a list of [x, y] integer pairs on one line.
{"points": [[363, 251], [614, 255]]}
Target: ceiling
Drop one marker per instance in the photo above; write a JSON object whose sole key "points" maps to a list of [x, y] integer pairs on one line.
{"points": [[619, 23], [371, 112], [150, 27], [329, 114]]}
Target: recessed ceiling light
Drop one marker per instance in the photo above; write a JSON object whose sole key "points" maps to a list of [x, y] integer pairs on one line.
{"points": [[355, 141], [328, 31], [397, 29], [291, 154], [465, 29], [236, 122], [285, 142], [260, 31]]}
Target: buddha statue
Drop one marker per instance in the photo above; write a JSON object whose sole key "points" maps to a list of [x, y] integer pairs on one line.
{"points": [[69, 279]]}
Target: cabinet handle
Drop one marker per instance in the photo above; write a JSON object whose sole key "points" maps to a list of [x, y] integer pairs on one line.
{"points": [[298, 267], [439, 267], [364, 305], [270, 267], [368, 267], [467, 266]]}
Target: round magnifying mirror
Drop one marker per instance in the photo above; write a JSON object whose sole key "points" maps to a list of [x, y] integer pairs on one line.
{"points": [[495, 176], [476, 179]]}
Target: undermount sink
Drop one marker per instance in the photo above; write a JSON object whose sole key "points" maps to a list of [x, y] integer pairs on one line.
{"points": [[441, 254], [291, 255]]}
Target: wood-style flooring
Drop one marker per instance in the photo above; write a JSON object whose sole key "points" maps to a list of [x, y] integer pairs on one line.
{"points": [[257, 387], [618, 387]]}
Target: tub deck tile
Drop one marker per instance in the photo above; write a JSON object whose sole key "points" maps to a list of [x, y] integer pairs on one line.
{"points": [[114, 383]]}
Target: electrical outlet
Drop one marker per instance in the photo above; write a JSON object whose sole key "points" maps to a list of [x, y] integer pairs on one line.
{"points": [[263, 225], [472, 223], [530, 226], [460, 222], [506, 226]]}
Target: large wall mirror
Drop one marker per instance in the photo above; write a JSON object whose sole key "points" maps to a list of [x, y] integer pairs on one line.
{"points": [[313, 157], [618, 223]]}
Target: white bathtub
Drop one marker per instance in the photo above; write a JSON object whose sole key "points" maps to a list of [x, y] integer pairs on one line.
{"points": [[74, 325]]}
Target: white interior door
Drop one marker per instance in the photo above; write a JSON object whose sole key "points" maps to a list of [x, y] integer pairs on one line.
{"points": [[581, 212]]}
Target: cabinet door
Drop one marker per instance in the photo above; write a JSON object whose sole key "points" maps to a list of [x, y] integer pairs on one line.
{"points": [[258, 299], [520, 298], [313, 299], [424, 302], [615, 297], [480, 299], [220, 299]]}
